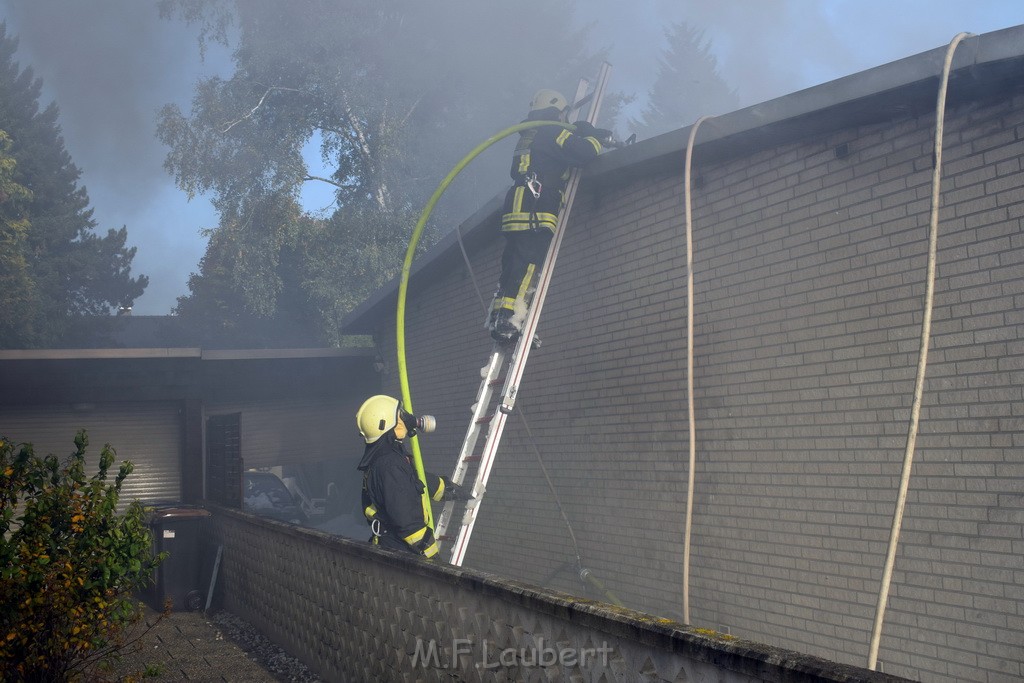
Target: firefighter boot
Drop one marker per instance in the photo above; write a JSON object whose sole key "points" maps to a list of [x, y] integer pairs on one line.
{"points": [[503, 330]]}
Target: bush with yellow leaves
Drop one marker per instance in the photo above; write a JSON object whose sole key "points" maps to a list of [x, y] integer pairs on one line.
{"points": [[69, 562]]}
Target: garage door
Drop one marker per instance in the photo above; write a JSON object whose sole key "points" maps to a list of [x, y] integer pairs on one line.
{"points": [[150, 435]]}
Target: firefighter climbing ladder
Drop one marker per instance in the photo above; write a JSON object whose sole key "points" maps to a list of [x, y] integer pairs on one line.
{"points": [[486, 412]]}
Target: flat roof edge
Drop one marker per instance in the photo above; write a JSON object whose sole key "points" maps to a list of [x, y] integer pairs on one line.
{"points": [[743, 125], [267, 354], [84, 354], [158, 353]]}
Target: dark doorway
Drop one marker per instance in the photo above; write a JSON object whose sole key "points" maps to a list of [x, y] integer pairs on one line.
{"points": [[224, 459]]}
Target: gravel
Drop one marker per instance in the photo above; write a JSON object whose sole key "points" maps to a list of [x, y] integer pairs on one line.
{"points": [[257, 646]]}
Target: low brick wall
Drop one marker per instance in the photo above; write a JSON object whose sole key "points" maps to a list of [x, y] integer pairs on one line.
{"points": [[355, 613]]}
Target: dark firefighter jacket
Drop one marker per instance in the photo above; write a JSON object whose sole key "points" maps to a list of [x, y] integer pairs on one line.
{"points": [[545, 156], [393, 495]]}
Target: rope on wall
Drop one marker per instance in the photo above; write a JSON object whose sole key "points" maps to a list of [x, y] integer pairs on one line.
{"points": [[922, 363], [689, 367]]}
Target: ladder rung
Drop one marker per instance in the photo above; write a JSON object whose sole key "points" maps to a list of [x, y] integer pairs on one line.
{"points": [[510, 364]]}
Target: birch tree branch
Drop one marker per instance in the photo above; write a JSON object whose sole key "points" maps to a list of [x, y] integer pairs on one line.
{"points": [[256, 108]]}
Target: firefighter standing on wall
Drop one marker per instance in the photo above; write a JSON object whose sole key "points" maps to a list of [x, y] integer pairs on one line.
{"points": [[540, 170], [392, 491]]}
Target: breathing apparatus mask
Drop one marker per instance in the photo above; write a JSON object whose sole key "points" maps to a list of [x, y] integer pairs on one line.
{"points": [[418, 423]]}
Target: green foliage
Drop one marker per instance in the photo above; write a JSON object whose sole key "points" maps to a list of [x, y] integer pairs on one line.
{"points": [[153, 671], [274, 287], [61, 267], [395, 95], [68, 563], [17, 288]]}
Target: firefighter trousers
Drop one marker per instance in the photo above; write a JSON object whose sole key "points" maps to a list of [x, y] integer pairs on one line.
{"points": [[524, 255]]}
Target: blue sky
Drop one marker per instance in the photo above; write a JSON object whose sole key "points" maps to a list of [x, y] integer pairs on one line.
{"points": [[110, 64]]}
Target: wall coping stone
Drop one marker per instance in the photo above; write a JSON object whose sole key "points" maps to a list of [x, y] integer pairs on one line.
{"points": [[745, 657]]}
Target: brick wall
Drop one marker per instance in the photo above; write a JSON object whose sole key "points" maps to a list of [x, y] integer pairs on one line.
{"points": [[355, 613], [810, 279]]}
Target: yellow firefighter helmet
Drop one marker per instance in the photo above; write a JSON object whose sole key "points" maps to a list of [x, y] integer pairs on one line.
{"points": [[377, 416], [543, 99]]}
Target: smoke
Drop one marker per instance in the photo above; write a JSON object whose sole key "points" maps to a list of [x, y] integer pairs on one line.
{"points": [[770, 48], [110, 64]]}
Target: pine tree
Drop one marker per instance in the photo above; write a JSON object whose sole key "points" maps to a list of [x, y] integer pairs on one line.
{"points": [[68, 270], [688, 85]]}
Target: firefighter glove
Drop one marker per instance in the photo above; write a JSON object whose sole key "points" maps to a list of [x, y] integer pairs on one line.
{"points": [[453, 491], [588, 130]]}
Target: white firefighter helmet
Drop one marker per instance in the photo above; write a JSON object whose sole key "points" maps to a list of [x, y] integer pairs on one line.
{"points": [[545, 98], [377, 416]]}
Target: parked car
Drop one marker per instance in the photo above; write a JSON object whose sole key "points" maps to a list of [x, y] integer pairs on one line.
{"points": [[266, 495]]}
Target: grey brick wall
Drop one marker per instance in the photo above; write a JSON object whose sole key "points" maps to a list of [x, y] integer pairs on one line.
{"points": [[810, 280], [356, 613]]}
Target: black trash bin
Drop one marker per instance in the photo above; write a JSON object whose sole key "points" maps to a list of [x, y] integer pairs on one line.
{"points": [[180, 531]]}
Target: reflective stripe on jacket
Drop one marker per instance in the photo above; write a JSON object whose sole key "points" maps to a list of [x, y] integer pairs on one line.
{"points": [[545, 154], [392, 495]]}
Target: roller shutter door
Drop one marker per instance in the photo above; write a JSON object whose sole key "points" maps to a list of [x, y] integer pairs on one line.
{"points": [[148, 434]]}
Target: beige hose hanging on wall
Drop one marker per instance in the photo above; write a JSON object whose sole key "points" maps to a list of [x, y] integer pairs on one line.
{"points": [[689, 368], [922, 363]]}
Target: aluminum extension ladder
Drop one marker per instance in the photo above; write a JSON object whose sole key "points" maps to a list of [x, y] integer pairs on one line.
{"points": [[486, 412]]}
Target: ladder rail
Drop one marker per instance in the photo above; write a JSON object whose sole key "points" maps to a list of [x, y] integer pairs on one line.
{"points": [[491, 371], [517, 364], [511, 389], [488, 374]]}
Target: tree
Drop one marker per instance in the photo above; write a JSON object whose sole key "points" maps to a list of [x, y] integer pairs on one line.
{"points": [[69, 562], [231, 311], [687, 87], [17, 291], [396, 93], [63, 267], [323, 274]]}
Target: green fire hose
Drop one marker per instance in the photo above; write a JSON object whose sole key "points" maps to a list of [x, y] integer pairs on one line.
{"points": [[403, 286]]}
